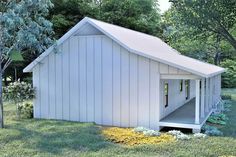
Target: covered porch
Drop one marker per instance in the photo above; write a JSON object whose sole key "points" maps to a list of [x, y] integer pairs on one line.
{"points": [[194, 112], [184, 117]]}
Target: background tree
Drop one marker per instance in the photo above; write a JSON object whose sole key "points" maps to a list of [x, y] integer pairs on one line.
{"points": [[215, 16], [140, 15], [23, 30]]}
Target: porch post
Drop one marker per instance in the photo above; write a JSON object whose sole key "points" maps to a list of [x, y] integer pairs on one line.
{"points": [[202, 98], [207, 95], [197, 104]]}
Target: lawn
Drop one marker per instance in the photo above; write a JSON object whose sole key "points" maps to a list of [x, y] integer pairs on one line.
{"points": [[58, 138]]}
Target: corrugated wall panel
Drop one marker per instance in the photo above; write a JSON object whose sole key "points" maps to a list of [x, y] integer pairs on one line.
{"points": [[74, 79], [83, 79], [90, 78], [59, 88], [66, 80], [116, 85], [107, 81], [143, 95], [124, 88], [52, 86], [98, 79], [36, 84], [133, 82], [154, 94]]}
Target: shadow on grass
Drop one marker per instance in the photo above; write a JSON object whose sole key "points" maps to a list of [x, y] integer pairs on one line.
{"points": [[54, 137]]}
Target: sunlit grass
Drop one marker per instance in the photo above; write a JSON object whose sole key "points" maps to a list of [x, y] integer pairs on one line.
{"points": [[32, 137]]}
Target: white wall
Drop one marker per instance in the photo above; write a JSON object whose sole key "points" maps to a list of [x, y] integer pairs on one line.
{"points": [[93, 79], [176, 97]]}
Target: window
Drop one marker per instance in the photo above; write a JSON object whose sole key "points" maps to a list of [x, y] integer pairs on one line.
{"points": [[166, 94], [187, 87], [181, 86]]}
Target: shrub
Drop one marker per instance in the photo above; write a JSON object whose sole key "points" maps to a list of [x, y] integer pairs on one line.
{"points": [[211, 130], [26, 110], [229, 77], [17, 92], [175, 132], [140, 129], [129, 137], [151, 133], [179, 135], [226, 97], [199, 135], [218, 119]]}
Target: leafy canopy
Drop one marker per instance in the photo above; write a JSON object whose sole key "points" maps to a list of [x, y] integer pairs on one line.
{"points": [[216, 16], [24, 27]]}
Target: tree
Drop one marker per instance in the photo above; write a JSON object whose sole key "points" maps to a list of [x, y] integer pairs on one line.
{"points": [[214, 16], [24, 29], [191, 41], [140, 15]]}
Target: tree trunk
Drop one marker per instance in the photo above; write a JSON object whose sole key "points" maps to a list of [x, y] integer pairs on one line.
{"points": [[1, 102], [228, 37]]}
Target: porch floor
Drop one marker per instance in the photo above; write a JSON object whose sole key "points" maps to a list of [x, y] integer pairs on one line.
{"points": [[183, 115]]}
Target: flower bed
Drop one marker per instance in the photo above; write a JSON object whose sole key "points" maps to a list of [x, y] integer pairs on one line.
{"points": [[130, 137]]}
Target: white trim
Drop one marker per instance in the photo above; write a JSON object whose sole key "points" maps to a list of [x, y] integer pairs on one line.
{"points": [[197, 103], [202, 98], [180, 125], [179, 76]]}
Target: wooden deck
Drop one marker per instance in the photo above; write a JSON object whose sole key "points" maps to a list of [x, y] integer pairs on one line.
{"points": [[184, 117]]}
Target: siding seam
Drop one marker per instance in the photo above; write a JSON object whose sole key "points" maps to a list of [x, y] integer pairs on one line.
{"points": [[78, 42], [48, 88], [69, 51]]}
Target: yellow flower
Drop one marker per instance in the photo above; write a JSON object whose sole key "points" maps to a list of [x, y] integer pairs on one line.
{"points": [[128, 137]]}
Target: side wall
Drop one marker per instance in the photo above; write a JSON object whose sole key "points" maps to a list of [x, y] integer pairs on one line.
{"points": [[177, 98], [93, 79]]}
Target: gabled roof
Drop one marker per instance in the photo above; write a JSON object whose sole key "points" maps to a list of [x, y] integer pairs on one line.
{"points": [[141, 44]]}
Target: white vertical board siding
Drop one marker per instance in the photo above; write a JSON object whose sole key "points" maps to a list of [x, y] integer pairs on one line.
{"points": [[154, 95], [98, 79], [74, 79], [36, 85], [133, 90], [107, 81], [93, 79], [90, 78], [124, 88], [44, 90], [82, 79], [66, 80], [116, 84], [52, 86], [59, 88], [143, 92]]}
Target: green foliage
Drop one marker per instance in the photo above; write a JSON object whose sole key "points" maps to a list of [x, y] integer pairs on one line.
{"points": [[217, 16], [226, 97], [18, 92], [211, 130], [218, 119], [53, 138], [16, 56], [26, 110], [229, 77], [140, 15]]}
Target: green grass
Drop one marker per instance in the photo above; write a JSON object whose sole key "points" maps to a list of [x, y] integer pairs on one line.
{"points": [[57, 138]]}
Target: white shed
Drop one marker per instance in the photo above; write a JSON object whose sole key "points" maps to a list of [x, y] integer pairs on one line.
{"points": [[110, 75]]}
